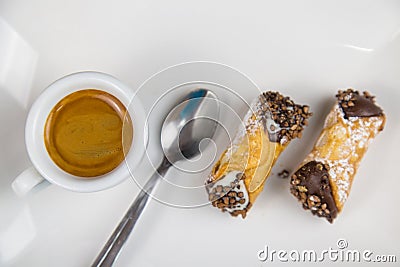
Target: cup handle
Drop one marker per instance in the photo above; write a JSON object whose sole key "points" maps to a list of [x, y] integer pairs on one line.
{"points": [[27, 180]]}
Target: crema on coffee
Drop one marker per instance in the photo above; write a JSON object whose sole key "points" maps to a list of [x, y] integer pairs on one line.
{"points": [[88, 133]]}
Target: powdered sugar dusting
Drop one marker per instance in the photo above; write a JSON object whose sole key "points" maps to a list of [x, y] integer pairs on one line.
{"points": [[342, 145], [252, 121]]}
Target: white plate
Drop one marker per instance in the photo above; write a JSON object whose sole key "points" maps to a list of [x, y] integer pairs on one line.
{"points": [[305, 49], [183, 187]]}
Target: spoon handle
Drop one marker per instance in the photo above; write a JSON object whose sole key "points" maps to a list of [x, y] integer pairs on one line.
{"points": [[114, 244]]}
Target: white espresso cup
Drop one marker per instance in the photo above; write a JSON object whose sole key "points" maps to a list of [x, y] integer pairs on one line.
{"points": [[44, 169]]}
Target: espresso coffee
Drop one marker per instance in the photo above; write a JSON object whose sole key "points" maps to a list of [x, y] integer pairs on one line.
{"points": [[88, 133]]}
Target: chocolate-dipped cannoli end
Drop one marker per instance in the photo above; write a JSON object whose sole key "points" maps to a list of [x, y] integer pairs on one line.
{"points": [[354, 104], [229, 194], [287, 120], [310, 185]]}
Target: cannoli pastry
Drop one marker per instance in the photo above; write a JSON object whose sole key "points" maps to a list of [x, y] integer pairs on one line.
{"points": [[239, 175], [323, 182]]}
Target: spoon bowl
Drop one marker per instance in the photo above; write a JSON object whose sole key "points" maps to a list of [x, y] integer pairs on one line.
{"points": [[190, 122]]}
